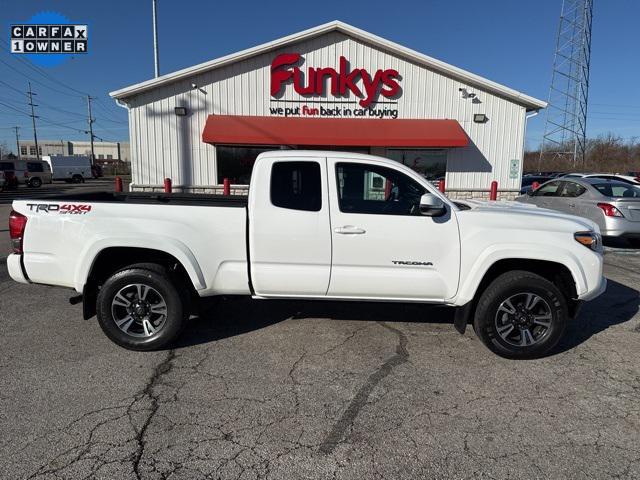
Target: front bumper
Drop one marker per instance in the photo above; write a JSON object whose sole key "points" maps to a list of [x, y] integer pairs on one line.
{"points": [[596, 292], [16, 271]]}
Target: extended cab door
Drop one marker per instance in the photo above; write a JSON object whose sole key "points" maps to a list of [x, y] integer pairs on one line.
{"points": [[383, 248], [289, 231]]}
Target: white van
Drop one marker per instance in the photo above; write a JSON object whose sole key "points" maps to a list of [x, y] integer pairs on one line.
{"points": [[69, 168], [32, 173]]}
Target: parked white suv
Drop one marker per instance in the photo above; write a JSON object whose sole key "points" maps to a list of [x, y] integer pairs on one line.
{"points": [[316, 225]]}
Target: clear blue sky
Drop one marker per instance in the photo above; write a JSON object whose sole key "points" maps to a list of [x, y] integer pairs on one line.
{"points": [[508, 41]]}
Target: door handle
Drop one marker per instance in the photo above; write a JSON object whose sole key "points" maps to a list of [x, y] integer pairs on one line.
{"points": [[572, 205], [350, 230]]}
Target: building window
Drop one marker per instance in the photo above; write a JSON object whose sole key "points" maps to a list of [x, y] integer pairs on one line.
{"points": [[101, 156], [23, 150], [109, 157], [32, 150], [431, 164], [236, 163]]}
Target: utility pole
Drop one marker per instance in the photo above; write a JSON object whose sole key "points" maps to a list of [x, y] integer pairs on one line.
{"points": [[91, 120], [33, 120], [17, 141], [156, 61]]}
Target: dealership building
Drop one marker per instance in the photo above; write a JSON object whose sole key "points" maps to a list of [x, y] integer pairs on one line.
{"points": [[332, 87]]}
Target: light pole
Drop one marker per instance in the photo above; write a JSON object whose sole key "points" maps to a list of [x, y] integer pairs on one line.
{"points": [[156, 61]]}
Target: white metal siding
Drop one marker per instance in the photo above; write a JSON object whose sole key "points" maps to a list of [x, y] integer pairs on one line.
{"points": [[164, 145]]}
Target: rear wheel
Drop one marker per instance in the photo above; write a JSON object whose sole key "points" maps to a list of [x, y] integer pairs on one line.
{"points": [[140, 308], [35, 183], [77, 179], [521, 315]]}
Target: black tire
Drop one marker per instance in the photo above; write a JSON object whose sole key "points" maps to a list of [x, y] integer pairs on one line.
{"points": [[160, 283], [492, 322], [77, 179], [35, 183]]}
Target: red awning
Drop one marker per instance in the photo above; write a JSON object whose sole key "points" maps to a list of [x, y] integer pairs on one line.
{"points": [[344, 132]]}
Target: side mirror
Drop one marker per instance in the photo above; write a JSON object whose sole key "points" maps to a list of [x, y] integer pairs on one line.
{"points": [[432, 205]]}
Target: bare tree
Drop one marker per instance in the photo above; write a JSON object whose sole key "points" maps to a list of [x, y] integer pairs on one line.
{"points": [[606, 153]]}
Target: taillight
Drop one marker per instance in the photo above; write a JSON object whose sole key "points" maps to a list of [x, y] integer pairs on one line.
{"points": [[17, 224], [26, 174], [609, 210]]}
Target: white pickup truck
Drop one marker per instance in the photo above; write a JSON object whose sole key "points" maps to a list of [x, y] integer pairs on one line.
{"points": [[316, 225]]}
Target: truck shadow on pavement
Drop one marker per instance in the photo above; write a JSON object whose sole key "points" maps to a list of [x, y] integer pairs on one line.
{"points": [[231, 316], [617, 305], [226, 317]]}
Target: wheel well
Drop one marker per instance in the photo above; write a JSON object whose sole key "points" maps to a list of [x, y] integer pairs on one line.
{"points": [[556, 273], [113, 259]]}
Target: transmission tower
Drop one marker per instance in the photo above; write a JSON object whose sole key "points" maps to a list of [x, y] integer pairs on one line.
{"points": [[566, 116]]}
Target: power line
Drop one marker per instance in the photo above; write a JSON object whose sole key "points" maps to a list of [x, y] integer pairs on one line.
{"points": [[12, 88], [42, 72], [15, 109]]}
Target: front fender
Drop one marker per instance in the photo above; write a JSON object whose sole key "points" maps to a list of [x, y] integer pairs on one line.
{"points": [[489, 256], [170, 245]]}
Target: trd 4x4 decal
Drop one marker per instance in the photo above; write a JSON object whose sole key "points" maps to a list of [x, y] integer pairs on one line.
{"points": [[65, 208]]}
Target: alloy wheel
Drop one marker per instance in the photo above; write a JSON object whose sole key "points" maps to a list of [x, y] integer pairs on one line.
{"points": [[139, 310], [523, 319]]}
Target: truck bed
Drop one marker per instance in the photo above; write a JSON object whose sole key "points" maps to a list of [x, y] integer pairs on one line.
{"points": [[205, 233], [195, 199]]}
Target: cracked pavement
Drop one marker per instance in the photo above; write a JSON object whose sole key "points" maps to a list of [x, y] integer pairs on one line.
{"points": [[275, 390]]}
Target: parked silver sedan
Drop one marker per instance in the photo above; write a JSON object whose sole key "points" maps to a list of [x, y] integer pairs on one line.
{"points": [[613, 205]]}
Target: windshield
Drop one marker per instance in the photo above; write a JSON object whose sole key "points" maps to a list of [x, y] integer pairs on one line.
{"points": [[617, 190]]}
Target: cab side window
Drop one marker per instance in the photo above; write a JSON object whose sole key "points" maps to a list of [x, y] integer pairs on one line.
{"points": [[371, 189], [296, 185]]}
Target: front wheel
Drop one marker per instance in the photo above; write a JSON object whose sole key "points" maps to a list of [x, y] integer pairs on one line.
{"points": [[35, 183], [77, 179], [521, 315], [140, 308]]}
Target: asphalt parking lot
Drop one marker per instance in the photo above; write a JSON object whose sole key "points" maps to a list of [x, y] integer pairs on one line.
{"points": [[285, 390]]}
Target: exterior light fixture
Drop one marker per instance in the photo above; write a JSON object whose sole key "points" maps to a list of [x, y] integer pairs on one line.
{"points": [[180, 111], [479, 118]]}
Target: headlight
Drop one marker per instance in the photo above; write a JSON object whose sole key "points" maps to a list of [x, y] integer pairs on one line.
{"points": [[589, 239]]}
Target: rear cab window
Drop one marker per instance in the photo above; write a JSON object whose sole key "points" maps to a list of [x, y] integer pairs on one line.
{"points": [[296, 186]]}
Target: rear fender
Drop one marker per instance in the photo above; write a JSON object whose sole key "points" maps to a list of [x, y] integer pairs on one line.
{"points": [[169, 245]]}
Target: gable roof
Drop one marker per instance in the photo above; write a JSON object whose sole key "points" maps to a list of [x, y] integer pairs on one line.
{"points": [[513, 95]]}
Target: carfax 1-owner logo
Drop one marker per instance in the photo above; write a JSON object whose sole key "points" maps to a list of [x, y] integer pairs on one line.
{"points": [[48, 38]]}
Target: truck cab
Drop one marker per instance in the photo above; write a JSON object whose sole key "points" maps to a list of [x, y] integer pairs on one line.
{"points": [[349, 228]]}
